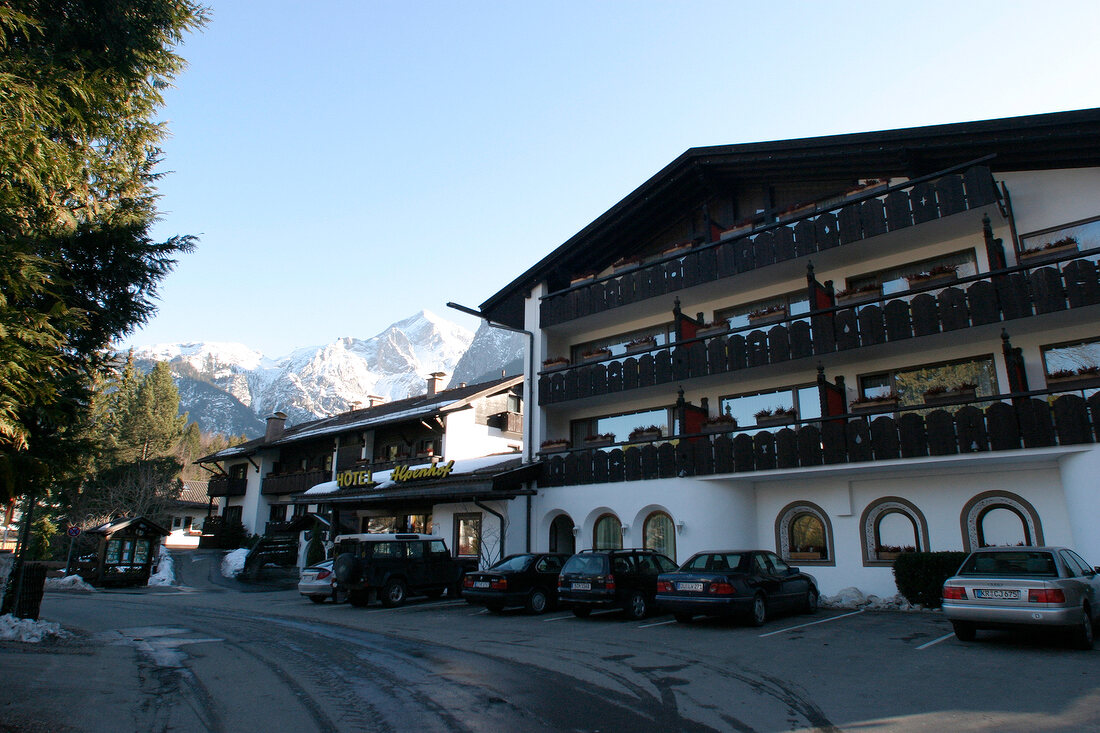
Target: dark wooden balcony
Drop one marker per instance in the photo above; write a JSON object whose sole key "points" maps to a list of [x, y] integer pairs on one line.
{"points": [[1001, 296], [226, 486], [508, 422], [1037, 419], [293, 483], [862, 217]]}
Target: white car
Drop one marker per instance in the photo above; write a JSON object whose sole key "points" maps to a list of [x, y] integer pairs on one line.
{"points": [[318, 584]]}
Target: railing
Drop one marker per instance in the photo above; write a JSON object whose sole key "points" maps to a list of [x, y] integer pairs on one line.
{"points": [[226, 486], [862, 217], [293, 483], [1037, 419], [1004, 295], [508, 422]]}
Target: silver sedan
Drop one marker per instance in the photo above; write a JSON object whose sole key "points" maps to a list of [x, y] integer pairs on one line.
{"points": [[1009, 587], [316, 583]]}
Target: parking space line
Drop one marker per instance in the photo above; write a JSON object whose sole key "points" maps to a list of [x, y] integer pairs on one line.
{"points": [[557, 618], [935, 641], [658, 623], [482, 612], [812, 623]]}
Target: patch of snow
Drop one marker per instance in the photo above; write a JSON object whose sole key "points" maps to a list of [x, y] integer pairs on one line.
{"points": [[70, 583], [166, 570], [28, 630], [853, 598], [233, 562]]}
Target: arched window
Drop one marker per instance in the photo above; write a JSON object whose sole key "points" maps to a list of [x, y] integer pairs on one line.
{"points": [[561, 535], [889, 526], [607, 533], [1000, 518], [803, 534], [660, 534]]}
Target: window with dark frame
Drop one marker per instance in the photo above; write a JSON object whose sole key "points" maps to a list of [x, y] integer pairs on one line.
{"points": [[896, 279], [1073, 361], [467, 537], [805, 400], [743, 315], [911, 384], [1083, 234], [661, 334], [622, 425]]}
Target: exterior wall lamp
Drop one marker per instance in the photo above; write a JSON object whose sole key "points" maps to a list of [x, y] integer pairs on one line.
{"points": [[680, 527]]}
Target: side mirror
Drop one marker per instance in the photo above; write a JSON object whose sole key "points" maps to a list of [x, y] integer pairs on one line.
{"points": [[793, 570]]}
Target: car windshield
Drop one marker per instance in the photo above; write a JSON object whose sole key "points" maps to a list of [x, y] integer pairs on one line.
{"points": [[1021, 563], [585, 565], [714, 562], [515, 562]]}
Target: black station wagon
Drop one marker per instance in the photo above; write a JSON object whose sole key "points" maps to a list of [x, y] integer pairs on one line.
{"points": [[529, 580], [625, 579]]}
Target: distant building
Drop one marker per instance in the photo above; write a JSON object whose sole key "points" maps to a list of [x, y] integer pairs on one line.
{"points": [[846, 345], [187, 515]]}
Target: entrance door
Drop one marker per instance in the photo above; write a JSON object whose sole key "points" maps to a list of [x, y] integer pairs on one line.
{"points": [[561, 535]]}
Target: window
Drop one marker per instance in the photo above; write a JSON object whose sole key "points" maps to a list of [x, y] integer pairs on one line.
{"points": [[277, 513], [232, 515], [515, 403], [238, 470], [889, 526], [621, 425], [437, 548], [792, 304], [1072, 362], [911, 384], [375, 525], [778, 566], [617, 344], [805, 401], [803, 534], [419, 523], [659, 534], [1000, 518], [607, 533], [415, 550], [387, 550], [1086, 235], [187, 522], [177, 522], [549, 565], [468, 535], [894, 280]]}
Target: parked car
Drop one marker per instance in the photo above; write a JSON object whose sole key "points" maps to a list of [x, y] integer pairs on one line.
{"points": [[1019, 587], [318, 584], [751, 584], [529, 580], [625, 579], [393, 566]]}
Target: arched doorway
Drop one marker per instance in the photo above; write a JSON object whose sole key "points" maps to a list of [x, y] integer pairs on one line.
{"points": [[561, 535]]}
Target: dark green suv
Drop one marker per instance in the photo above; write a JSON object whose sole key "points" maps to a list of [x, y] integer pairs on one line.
{"points": [[394, 566]]}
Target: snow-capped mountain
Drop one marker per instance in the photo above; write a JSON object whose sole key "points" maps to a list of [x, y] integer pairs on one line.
{"points": [[230, 388]]}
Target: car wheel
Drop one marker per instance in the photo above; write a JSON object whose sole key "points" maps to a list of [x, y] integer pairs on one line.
{"points": [[317, 599], [1083, 636], [358, 598], [809, 605], [683, 618], [636, 607], [759, 612], [964, 631], [339, 595], [537, 601], [393, 594], [582, 611]]}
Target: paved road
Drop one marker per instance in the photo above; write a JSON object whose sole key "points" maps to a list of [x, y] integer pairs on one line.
{"points": [[216, 655]]}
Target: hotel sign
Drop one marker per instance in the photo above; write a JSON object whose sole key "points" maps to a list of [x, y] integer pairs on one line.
{"points": [[353, 479], [404, 473]]}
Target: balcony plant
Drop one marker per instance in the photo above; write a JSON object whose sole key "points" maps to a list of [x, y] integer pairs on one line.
{"points": [[806, 552], [796, 211], [871, 404], [645, 343], [599, 439], [889, 553], [941, 393], [933, 276], [721, 423], [677, 248], [649, 432], [555, 362], [1049, 251], [581, 278], [741, 227], [775, 416], [626, 263], [713, 328], [554, 445], [596, 354], [768, 314], [1083, 376], [858, 295]]}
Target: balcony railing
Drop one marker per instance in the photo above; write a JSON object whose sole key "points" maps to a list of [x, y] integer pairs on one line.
{"points": [[226, 486], [862, 217], [293, 483], [1038, 419], [1004, 295]]}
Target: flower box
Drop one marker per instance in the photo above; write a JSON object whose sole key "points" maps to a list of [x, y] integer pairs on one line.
{"points": [[643, 435], [767, 316], [720, 427], [736, 230], [708, 331], [599, 441], [597, 355], [1073, 381], [873, 405], [781, 418], [886, 556], [635, 347], [929, 281], [796, 211], [626, 264], [852, 297], [676, 249], [951, 395], [1046, 254], [555, 363], [804, 555], [582, 278], [554, 446]]}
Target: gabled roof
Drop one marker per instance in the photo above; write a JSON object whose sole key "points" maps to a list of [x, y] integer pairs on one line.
{"points": [[389, 413], [120, 524], [194, 493], [1046, 141]]}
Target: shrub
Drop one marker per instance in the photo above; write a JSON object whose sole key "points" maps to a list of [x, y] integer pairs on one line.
{"points": [[920, 575]]}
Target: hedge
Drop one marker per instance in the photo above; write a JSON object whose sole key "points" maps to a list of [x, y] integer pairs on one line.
{"points": [[920, 575]]}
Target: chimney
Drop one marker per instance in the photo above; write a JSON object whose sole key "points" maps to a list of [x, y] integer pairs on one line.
{"points": [[434, 381], [275, 424], [374, 400]]}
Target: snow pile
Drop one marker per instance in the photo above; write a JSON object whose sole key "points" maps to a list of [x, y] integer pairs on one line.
{"points": [[854, 598], [69, 582], [233, 562], [28, 630], [166, 570]]}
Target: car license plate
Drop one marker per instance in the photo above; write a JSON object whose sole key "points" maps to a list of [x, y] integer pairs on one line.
{"points": [[582, 586], [1004, 595], [481, 583], [690, 586]]}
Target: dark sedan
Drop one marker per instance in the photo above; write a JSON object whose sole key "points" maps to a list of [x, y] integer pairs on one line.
{"points": [[529, 580], [752, 584]]}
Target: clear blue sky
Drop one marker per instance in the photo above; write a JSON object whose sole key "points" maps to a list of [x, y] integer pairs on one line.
{"points": [[346, 164]]}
